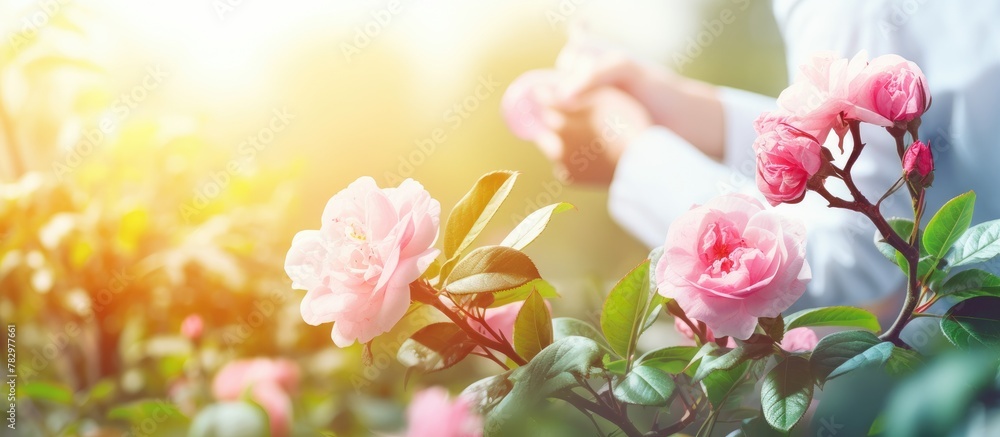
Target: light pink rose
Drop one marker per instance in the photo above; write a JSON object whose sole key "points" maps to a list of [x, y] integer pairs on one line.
{"points": [[192, 326], [501, 319], [730, 261], [269, 384], [892, 90], [786, 159], [432, 413], [820, 98], [799, 340], [769, 121], [357, 268], [522, 104]]}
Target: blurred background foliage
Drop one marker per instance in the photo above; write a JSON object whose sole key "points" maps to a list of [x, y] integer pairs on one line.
{"points": [[106, 248]]}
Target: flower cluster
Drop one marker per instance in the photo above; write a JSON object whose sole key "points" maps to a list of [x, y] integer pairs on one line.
{"points": [[830, 94]]}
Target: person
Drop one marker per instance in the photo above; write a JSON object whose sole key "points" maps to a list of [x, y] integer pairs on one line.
{"points": [[676, 141]]}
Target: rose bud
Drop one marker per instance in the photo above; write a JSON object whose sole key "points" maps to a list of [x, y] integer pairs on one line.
{"points": [[918, 165]]}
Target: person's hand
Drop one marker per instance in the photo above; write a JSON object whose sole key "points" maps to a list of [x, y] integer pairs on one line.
{"points": [[586, 138], [688, 107], [583, 113]]}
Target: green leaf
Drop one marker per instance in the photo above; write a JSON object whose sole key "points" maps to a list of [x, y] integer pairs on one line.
{"points": [[980, 243], [489, 269], [878, 426], [974, 322], [948, 224], [774, 327], [554, 368], [940, 400], [100, 391], [786, 393], [703, 352], [653, 311], [533, 225], [971, 283], [486, 393], [739, 355], [903, 362], [473, 212], [140, 410], [671, 359], [532, 327], [903, 228], [563, 327], [874, 356], [718, 385], [435, 347], [833, 316], [645, 386], [624, 309], [838, 348], [758, 427], [924, 265], [522, 292], [574, 355], [46, 391], [616, 366]]}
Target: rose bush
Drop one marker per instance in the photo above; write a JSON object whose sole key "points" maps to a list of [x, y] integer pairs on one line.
{"points": [[727, 273]]}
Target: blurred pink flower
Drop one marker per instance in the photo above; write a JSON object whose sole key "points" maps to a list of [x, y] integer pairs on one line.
{"points": [[192, 326], [432, 413], [730, 261], [787, 158], [799, 340], [357, 268], [892, 90], [268, 382]]}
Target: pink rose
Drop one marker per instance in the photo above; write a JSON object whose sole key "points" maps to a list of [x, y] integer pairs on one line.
{"points": [[820, 97], [799, 340], [501, 319], [892, 90], [269, 382], [786, 159], [918, 164], [192, 327], [357, 268], [769, 121], [433, 414], [730, 261], [522, 103]]}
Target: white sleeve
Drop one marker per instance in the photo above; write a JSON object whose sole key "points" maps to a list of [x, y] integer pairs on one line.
{"points": [[658, 178]]}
